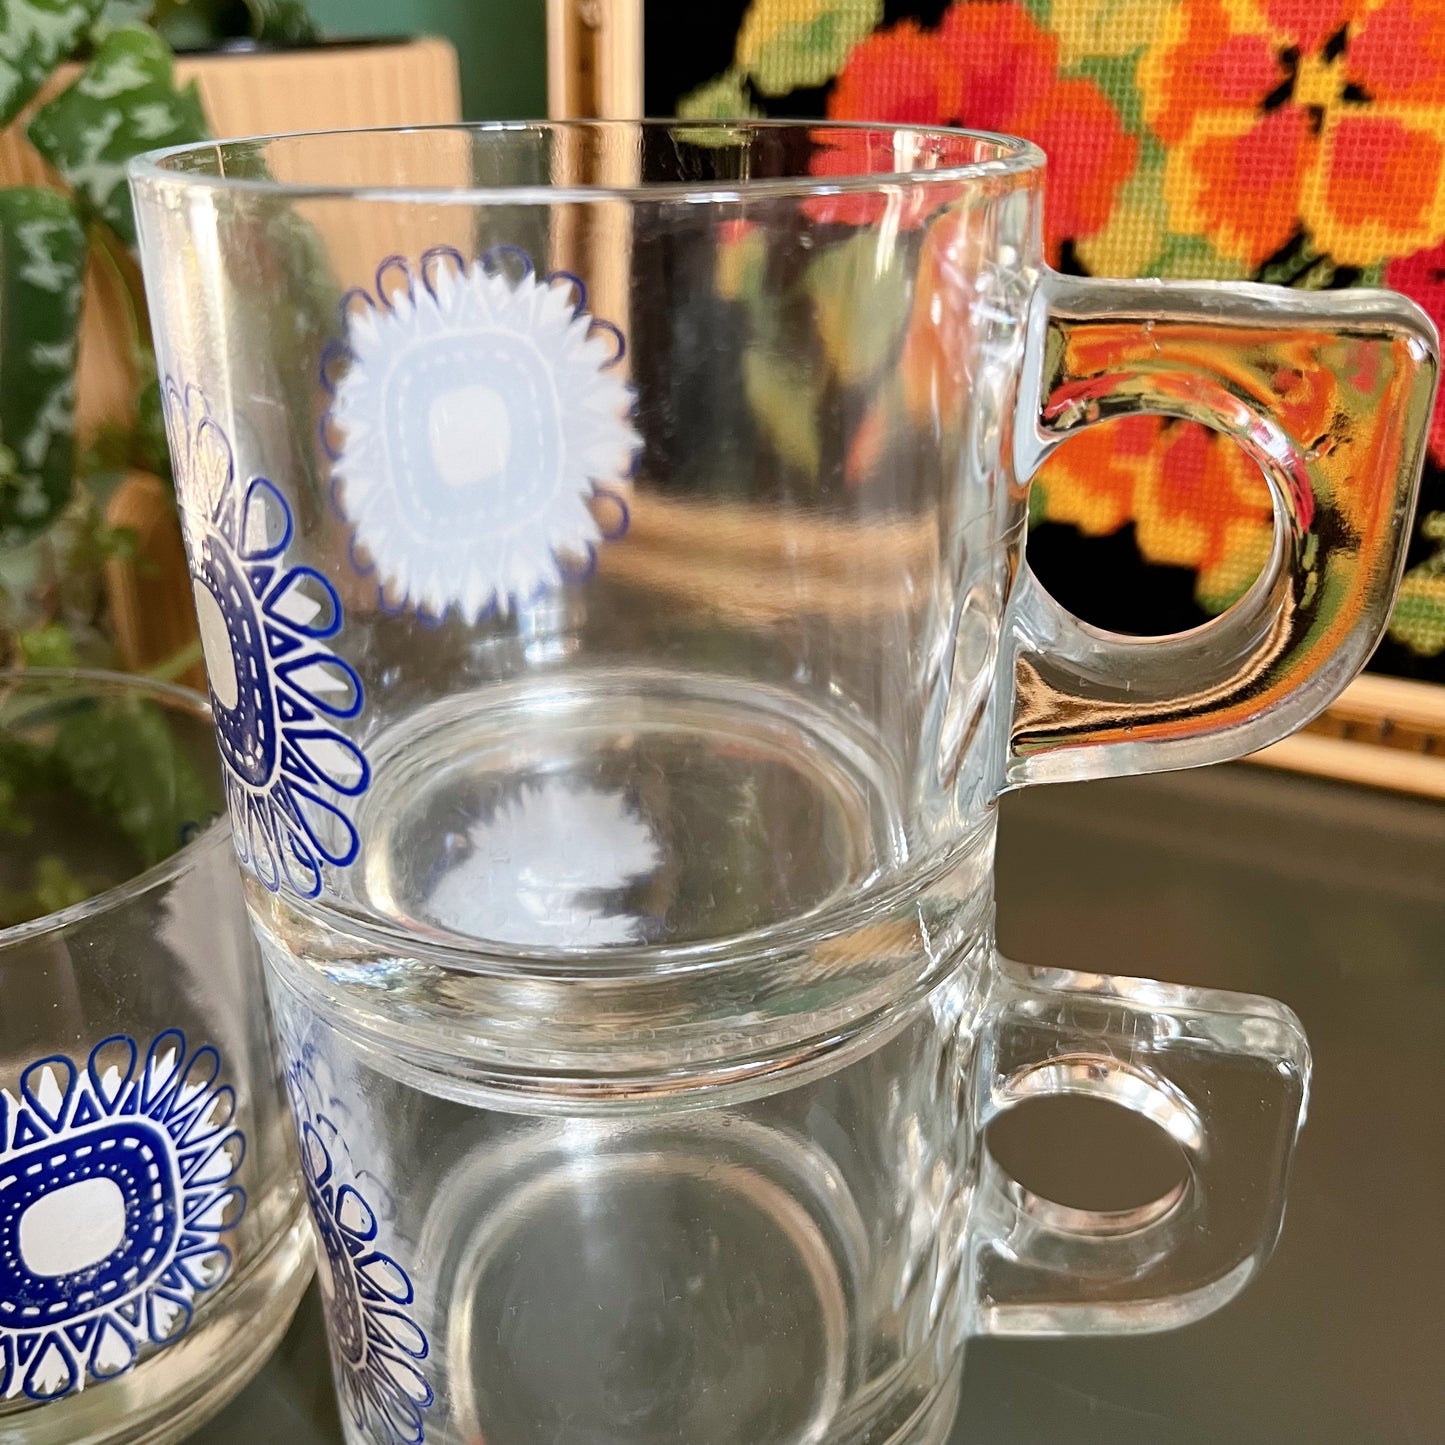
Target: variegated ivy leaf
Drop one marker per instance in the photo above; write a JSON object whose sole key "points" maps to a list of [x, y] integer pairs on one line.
{"points": [[35, 36], [42, 259], [124, 103], [114, 14]]}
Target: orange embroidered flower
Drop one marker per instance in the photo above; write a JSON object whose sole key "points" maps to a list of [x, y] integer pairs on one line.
{"points": [[1322, 114], [990, 66], [1422, 278]]}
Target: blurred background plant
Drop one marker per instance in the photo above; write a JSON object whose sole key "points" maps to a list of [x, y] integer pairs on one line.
{"points": [[84, 86]]}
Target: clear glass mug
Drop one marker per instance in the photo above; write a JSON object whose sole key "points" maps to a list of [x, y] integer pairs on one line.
{"points": [[153, 1232], [608, 541]]}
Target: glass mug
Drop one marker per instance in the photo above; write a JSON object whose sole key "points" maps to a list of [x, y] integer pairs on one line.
{"points": [[153, 1232], [608, 541]]}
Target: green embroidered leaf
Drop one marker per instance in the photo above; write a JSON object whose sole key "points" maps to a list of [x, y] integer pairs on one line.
{"points": [[1130, 240], [785, 45], [124, 103], [1418, 621], [1192, 258], [723, 98], [35, 36], [1114, 75], [42, 260], [1302, 265], [861, 305]]}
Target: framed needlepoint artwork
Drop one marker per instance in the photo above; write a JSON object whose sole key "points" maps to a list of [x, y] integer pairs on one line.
{"points": [[1299, 144]]}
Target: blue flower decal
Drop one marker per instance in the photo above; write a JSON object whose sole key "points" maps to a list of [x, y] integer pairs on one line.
{"points": [[115, 1190], [277, 688], [375, 1342], [479, 429]]}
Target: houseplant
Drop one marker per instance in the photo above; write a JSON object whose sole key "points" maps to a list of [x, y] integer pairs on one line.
{"points": [[92, 570]]}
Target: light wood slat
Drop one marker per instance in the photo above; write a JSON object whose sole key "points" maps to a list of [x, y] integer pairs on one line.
{"points": [[1354, 762]]}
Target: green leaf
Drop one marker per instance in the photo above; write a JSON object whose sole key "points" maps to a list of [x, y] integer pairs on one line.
{"points": [[1114, 75], [124, 759], [197, 24], [1192, 258], [784, 397], [55, 887], [42, 260], [116, 14], [723, 98], [35, 36], [48, 646], [1418, 621], [860, 297], [124, 103], [149, 443], [1038, 504], [281, 22], [783, 47]]}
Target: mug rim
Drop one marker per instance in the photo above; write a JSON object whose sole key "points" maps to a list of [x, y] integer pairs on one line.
{"points": [[214, 835], [163, 168]]}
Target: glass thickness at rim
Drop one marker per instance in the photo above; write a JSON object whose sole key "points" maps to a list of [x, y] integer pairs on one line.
{"points": [[94, 682], [202, 165]]}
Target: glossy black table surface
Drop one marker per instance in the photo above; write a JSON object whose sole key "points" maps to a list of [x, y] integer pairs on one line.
{"points": [[1330, 898]]}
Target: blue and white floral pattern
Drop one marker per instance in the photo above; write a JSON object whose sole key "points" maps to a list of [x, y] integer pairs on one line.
{"points": [[116, 1187], [480, 433], [277, 688], [376, 1344]]}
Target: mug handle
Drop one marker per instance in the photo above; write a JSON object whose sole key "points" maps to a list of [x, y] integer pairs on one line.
{"points": [[1225, 1075], [1330, 395]]}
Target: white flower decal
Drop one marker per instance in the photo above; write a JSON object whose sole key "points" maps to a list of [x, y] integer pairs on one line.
{"points": [[376, 1345], [115, 1189], [276, 686], [476, 429], [539, 869]]}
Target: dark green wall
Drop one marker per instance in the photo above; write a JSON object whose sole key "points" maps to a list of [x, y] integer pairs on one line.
{"points": [[501, 44]]}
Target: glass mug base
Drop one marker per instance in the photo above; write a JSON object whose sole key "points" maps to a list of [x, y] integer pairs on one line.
{"points": [[729, 1260], [172, 1393]]}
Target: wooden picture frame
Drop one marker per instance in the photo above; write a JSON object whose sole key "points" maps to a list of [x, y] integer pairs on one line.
{"points": [[1382, 732]]}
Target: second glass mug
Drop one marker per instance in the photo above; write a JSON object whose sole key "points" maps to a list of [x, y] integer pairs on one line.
{"points": [[608, 545]]}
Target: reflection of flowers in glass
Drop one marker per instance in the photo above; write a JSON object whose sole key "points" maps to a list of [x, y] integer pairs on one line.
{"points": [[988, 65], [1196, 498], [275, 684], [540, 868], [1326, 114], [115, 1189], [375, 1342], [479, 423]]}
